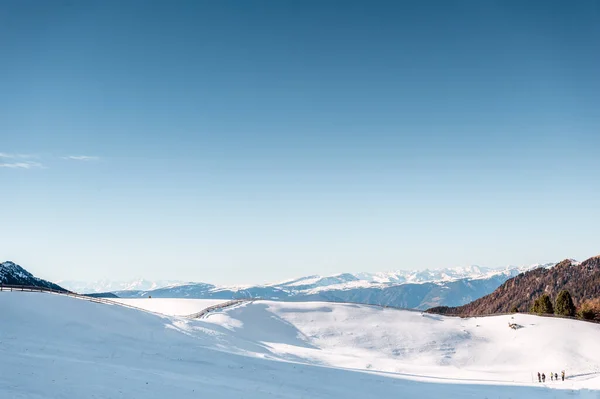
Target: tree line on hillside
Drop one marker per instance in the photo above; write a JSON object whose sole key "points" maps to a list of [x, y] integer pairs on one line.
{"points": [[564, 306], [581, 280]]}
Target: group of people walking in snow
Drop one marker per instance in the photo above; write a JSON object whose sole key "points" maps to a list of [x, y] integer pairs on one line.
{"points": [[553, 376]]}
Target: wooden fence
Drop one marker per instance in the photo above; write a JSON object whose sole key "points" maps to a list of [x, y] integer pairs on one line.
{"points": [[219, 306], [31, 288]]}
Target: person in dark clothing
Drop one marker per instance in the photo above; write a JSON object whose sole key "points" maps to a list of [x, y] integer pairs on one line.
{"points": [[551, 376], [555, 376], [540, 377], [543, 377], [563, 374]]}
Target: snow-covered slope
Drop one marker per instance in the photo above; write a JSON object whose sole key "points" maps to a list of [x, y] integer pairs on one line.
{"points": [[170, 306], [412, 343], [56, 346]]}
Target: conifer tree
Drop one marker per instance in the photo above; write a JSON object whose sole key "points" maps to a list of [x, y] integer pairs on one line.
{"points": [[564, 304], [542, 305]]}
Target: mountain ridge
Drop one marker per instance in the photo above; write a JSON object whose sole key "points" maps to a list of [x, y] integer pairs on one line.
{"points": [[418, 289], [106, 285], [13, 274], [313, 282], [421, 289], [581, 279]]}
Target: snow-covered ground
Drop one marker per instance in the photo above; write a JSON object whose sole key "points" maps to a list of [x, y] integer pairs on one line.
{"points": [[415, 344], [53, 346], [170, 306]]}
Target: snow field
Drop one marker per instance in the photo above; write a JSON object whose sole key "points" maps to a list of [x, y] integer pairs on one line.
{"points": [[54, 346], [170, 306], [422, 345]]}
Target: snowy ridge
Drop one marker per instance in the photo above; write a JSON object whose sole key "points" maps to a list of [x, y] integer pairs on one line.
{"points": [[9, 268], [111, 286], [444, 275]]}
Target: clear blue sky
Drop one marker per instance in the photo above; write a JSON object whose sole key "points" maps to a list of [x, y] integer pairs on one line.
{"points": [[250, 141]]}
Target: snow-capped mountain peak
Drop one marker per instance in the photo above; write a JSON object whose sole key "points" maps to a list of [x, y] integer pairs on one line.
{"points": [[98, 286]]}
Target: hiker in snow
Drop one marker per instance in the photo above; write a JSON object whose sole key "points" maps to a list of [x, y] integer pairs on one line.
{"points": [[539, 377], [562, 373], [543, 377], [556, 376], [551, 376]]}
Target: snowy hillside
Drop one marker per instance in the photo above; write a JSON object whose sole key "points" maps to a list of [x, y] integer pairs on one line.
{"points": [[170, 306], [412, 343], [56, 346], [409, 276]]}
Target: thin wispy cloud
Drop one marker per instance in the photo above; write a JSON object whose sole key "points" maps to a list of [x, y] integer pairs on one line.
{"points": [[17, 156], [21, 165], [81, 158], [18, 161], [31, 161]]}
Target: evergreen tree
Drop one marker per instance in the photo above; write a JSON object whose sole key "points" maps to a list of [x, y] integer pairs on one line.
{"points": [[514, 309], [542, 305], [564, 304]]}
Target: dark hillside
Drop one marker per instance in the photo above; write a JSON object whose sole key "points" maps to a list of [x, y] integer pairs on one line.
{"points": [[13, 274], [581, 280], [101, 295]]}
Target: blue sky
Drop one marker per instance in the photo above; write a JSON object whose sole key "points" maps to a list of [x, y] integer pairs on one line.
{"points": [[242, 142]]}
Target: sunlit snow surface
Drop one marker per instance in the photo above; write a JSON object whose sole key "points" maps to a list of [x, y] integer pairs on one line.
{"points": [[53, 346], [170, 306]]}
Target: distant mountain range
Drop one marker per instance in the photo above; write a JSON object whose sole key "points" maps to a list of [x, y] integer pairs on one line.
{"points": [[13, 274], [102, 286], [408, 289], [460, 291], [581, 279], [313, 282]]}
